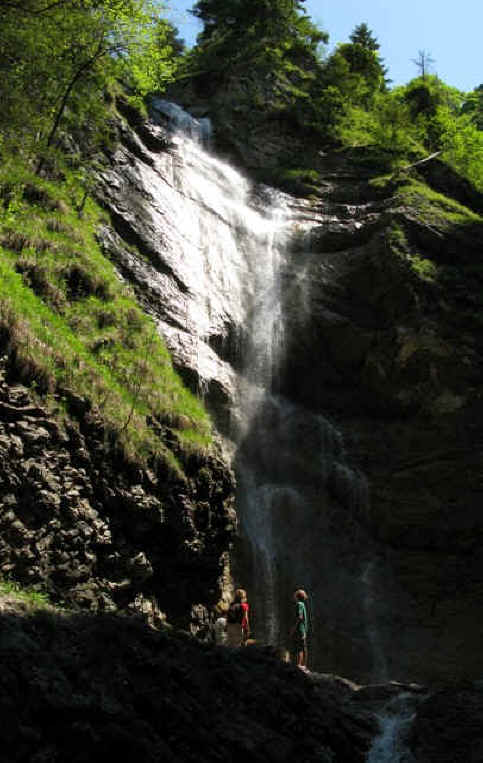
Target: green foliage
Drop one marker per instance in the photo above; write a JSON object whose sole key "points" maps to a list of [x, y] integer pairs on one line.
{"points": [[462, 144], [153, 64], [386, 126], [271, 46], [412, 121], [435, 207], [72, 325], [30, 597], [424, 268], [363, 36], [364, 72], [297, 180], [473, 106], [355, 67], [57, 60], [343, 94]]}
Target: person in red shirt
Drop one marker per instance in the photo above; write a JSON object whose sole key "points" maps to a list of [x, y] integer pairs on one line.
{"points": [[245, 623], [238, 625]]}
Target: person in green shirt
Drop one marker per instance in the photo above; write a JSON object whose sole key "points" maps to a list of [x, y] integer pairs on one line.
{"points": [[299, 629]]}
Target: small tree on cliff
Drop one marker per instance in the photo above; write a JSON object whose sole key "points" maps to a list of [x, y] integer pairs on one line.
{"points": [[473, 106], [424, 62]]}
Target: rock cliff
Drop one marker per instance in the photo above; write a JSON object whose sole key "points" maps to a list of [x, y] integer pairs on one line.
{"points": [[381, 291], [97, 534], [383, 303]]}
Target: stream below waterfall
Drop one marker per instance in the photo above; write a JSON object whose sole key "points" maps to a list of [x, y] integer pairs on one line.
{"points": [[299, 496], [395, 719]]}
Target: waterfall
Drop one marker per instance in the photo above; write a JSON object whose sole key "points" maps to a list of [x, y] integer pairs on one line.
{"points": [[367, 580], [228, 245]]}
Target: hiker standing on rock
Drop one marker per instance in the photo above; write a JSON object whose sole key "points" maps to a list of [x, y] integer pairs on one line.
{"points": [[238, 622], [298, 632]]}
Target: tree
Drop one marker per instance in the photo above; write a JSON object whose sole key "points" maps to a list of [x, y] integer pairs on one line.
{"points": [[269, 45], [57, 58], [246, 29], [272, 17], [424, 62], [473, 106], [461, 143], [363, 36], [355, 69]]}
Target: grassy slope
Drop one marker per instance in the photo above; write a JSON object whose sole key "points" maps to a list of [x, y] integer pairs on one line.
{"points": [[71, 324], [449, 256]]}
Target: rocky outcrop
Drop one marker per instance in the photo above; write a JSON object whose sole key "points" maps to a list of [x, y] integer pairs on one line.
{"points": [[97, 533], [386, 341], [79, 687], [448, 726]]}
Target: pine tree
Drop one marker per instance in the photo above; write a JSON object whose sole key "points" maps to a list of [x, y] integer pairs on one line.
{"points": [[364, 62], [362, 35], [240, 15]]}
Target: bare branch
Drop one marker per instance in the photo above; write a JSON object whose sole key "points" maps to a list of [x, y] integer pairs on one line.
{"points": [[422, 161]]}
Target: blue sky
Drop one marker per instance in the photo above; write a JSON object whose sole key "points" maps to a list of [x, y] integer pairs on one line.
{"points": [[452, 32]]}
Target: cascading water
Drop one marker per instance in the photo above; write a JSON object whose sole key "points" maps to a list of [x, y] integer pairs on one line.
{"points": [[225, 242], [390, 745]]}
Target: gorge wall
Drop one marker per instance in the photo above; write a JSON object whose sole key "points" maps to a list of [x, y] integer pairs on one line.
{"points": [[359, 467], [99, 534]]}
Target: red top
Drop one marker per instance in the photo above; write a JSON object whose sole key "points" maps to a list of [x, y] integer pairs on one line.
{"points": [[245, 609]]}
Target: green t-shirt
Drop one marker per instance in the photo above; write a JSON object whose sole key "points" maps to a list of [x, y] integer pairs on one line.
{"points": [[301, 617]]}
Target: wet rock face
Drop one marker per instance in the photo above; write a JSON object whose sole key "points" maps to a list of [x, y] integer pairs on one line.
{"points": [[99, 535], [158, 243], [393, 360]]}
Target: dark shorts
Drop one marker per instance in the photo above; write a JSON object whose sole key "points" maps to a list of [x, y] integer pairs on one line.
{"points": [[299, 642]]}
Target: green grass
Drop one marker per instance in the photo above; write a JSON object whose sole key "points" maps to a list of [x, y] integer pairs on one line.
{"points": [[444, 214], [292, 179], [424, 268], [435, 207], [34, 599], [432, 206], [72, 324]]}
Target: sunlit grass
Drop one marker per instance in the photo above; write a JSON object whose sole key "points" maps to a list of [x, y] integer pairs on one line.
{"points": [[34, 599], [72, 323], [437, 206]]}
